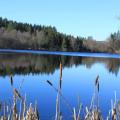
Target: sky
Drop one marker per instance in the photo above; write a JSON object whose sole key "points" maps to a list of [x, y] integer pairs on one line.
{"points": [[97, 18]]}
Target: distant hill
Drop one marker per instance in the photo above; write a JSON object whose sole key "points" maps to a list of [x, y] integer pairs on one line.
{"points": [[18, 35]]}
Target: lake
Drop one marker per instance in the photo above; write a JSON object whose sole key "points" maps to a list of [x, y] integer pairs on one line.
{"points": [[31, 70]]}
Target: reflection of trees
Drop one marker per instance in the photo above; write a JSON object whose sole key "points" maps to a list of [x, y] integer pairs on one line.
{"points": [[29, 63], [26, 63], [112, 64]]}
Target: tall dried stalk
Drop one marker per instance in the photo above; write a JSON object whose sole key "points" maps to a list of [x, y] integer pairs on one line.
{"points": [[14, 114], [97, 91], [92, 113], [68, 105], [58, 115]]}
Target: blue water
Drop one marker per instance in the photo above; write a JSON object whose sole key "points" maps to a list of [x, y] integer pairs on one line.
{"points": [[77, 80], [82, 54]]}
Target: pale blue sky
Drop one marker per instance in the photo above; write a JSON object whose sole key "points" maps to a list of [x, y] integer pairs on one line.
{"points": [[97, 18]]}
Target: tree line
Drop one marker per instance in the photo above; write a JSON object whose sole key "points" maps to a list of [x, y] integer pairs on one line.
{"points": [[18, 35]]}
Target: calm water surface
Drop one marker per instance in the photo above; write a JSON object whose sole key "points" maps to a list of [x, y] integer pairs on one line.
{"points": [[30, 71]]}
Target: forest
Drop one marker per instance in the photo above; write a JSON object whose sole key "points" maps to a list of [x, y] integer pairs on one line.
{"points": [[18, 35]]}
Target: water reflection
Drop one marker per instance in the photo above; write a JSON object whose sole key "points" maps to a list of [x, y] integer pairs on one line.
{"points": [[32, 71], [11, 63]]}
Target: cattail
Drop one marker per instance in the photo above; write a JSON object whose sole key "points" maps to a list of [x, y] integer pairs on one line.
{"points": [[17, 94], [60, 74], [60, 70], [57, 116], [11, 80], [97, 82], [49, 83]]}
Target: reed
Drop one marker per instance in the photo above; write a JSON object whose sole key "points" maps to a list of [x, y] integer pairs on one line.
{"points": [[10, 112], [58, 113]]}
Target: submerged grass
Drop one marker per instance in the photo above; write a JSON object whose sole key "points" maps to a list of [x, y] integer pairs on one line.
{"points": [[10, 112]]}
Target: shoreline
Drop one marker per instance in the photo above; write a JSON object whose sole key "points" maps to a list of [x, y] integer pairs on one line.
{"points": [[80, 54]]}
